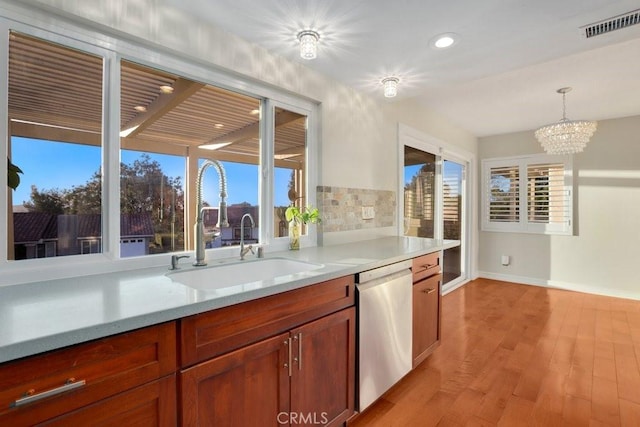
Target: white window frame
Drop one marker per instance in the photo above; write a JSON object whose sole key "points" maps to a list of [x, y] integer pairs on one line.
{"points": [[523, 225]]}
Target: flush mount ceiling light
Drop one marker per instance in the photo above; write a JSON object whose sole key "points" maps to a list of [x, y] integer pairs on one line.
{"points": [[140, 108], [166, 89], [566, 136], [308, 44], [390, 85], [443, 41]]}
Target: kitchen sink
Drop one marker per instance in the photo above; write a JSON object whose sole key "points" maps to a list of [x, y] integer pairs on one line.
{"points": [[266, 271]]}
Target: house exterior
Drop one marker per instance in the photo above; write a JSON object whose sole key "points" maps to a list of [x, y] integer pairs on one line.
{"points": [[44, 235], [230, 235]]}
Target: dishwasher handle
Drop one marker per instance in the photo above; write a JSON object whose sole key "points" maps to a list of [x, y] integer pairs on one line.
{"points": [[387, 270]]}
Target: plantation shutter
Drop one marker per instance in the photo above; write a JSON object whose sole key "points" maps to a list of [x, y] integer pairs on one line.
{"points": [[547, 195], [503, 194]]}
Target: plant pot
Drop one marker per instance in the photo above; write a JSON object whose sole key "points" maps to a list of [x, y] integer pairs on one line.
{"points": [[295, 228]]}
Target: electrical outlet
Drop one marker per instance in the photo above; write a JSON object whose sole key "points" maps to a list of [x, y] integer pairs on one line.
{"points": [[368, 212]]}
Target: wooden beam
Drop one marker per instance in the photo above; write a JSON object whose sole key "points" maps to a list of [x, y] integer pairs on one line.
{"points": [[53, 133], [182, 90], [253, 130]]}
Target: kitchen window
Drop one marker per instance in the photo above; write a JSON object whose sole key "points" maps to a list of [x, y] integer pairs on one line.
{"points": [[109, 143], [530, 194]]}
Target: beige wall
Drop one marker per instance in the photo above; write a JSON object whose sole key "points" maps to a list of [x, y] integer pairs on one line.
{"points": [[358, 132], [603, 254]]}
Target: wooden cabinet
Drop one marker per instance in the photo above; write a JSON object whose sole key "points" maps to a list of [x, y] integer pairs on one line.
{"points": [[249, 386], [323, 370], [303, 373], [106, 381], [427, 281]]}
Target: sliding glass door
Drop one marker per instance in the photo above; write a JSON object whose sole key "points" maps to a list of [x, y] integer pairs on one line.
{"points": [[434, 200], [419, 192], [453, 186]]}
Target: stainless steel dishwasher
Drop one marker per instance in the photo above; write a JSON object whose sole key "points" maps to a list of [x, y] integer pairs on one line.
{"points": [[384, 329]]}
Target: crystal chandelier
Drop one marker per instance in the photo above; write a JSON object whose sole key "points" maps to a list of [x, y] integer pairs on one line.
{"points": [[308, 44], [566, 136], [390, 85]]}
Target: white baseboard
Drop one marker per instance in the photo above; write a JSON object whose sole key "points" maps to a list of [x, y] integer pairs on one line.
{"points": [[597, 290]]}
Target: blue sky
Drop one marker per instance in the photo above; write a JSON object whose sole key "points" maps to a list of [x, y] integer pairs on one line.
{"points": [[49, 165]]}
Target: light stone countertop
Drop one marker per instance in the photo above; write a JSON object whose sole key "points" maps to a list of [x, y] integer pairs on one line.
{"points": [[43, 316]]}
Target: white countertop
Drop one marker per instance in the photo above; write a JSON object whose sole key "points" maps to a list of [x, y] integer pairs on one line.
{"points": [[43, 316]]}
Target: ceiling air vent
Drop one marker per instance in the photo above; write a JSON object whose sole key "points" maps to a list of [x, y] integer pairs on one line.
{"points": [[611, 24]]}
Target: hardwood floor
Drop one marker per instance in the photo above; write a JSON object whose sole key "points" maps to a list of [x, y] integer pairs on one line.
{"points": [[517, 355]]}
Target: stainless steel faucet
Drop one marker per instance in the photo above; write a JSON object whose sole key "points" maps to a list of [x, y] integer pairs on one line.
{"points": [[243, 250], [198, 231]]}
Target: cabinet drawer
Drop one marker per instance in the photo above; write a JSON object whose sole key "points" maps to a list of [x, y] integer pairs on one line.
{"points": [[151, 404], [219, 331], [106, 366], [426, 265]]}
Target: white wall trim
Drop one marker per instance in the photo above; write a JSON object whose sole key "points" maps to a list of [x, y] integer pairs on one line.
{"points": [[556, 284]]}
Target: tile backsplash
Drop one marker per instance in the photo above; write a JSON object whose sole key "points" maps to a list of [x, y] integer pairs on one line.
{"points": [[341, 208]]}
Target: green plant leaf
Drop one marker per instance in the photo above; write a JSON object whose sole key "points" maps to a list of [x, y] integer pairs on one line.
{"points": [[13, 179], [304, 215]]}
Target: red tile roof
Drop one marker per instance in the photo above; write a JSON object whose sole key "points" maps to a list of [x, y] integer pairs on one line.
{"points": [[30, 227], [136, 225], [234, 215]]}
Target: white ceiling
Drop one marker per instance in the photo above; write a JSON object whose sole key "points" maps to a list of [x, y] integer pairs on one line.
{"points": [[502, 74]]}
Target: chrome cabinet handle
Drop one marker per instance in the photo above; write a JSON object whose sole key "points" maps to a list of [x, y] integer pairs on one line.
{"points": [[298, 359], [428, 291], [30, 397], [428, 266], [288, 363]]}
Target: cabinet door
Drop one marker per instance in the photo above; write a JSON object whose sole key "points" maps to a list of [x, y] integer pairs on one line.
{"points": [[426, 317], [247, 387], [323, 377]]}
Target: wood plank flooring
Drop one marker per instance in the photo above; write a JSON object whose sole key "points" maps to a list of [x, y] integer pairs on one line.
{"points": [[517, 355]]}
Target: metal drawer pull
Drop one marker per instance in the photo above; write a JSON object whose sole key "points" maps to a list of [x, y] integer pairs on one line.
{"points": [[30, 397], [428, 266], [429, 291], [288, 363], [299, 351]]}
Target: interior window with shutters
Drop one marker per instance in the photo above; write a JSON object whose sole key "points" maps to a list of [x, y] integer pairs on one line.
{"points": [[528, 194], [504, 194]]}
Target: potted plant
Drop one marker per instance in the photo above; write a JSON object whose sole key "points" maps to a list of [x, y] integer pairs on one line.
{"points": [[296, 217]]}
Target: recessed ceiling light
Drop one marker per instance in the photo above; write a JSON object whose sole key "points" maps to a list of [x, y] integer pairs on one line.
{"points": [[166, 89], [255, 112], [218, 126], [140, 108], [442, 41]]}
